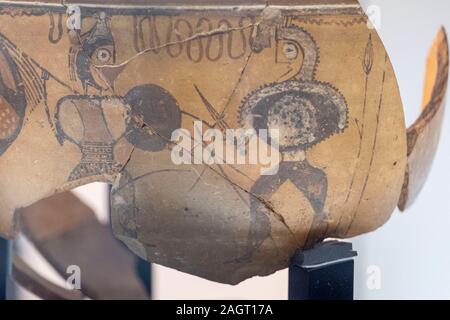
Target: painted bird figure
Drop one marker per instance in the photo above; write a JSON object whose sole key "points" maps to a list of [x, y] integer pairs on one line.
{"points": [[97, 49]]}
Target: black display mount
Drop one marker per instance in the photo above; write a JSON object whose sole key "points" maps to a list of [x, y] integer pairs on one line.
{"points": [[325, 272], [5, 267]]}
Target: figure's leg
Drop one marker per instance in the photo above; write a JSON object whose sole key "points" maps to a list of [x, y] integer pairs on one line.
{"points": [[313, 183], [260, 227]]}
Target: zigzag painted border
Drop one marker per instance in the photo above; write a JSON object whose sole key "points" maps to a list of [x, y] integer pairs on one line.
{"points": [[351, 21]]}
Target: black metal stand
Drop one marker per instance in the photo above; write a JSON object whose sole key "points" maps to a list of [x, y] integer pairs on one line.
{"points": [[144, 270], [5, 266], [325, 272]]}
